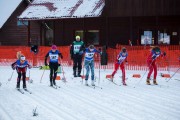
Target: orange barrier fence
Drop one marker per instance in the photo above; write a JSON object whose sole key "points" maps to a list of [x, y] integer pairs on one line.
{"points": [[136, 56]]}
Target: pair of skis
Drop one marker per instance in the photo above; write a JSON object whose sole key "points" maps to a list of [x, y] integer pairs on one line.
{"points": [[94, 87], [114, 82], [22, 91], [55, 86]]}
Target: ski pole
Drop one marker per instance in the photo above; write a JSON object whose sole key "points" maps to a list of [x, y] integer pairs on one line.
{"points": [[99, 70], [82, 76], [10, 77], [143, 75], [173, 75], [64, 78], [30, 80], [42, 75]]}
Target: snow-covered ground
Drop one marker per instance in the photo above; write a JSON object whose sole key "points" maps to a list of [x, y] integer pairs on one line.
{"points": [[74, 101]]}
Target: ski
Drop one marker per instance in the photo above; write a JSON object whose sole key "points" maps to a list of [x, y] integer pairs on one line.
{"points": [[18, 89], [177, 79], [113, 82], [57, 86], [27, 91], [53, 87], [98, 87], [90, 86], [94, 87]]}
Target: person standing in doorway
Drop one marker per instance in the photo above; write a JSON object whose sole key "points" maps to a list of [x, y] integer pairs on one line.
{"points": [[76, 52]]}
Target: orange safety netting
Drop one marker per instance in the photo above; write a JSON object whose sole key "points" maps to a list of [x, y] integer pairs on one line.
{"points": [[137, 56]]}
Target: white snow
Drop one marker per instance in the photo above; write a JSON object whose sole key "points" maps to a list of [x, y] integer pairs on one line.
{"points": [[7, 7], [75, 101], [40, 9]]}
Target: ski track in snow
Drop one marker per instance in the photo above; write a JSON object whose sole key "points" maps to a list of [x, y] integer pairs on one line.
{"points": [[75, 101]]}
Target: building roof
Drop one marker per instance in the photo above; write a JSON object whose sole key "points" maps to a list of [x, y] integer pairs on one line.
{"points": [[57, 9], [7, 7]]}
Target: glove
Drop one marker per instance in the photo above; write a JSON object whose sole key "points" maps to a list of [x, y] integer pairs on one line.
{"points": [[59, 64], [29, 66], [118, 62], [81, 52], [164, 53], [13, 68], [46, 64], [153, 57]]}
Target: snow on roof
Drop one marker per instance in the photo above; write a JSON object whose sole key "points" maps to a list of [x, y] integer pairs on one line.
{"points": [[7, 7], [56, 9]]}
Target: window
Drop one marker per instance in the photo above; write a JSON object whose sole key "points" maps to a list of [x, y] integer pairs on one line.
{"points": [[163, 38], [22, 23], [146, 38], [93, 37]]}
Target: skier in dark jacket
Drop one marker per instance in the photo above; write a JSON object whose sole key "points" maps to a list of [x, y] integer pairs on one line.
{"points": [[76, 52], [53, 54]]}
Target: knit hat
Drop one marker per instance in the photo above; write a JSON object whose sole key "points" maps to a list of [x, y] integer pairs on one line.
{"points": [[156, 49], [77, 37], [124, 49], [54, 47]]}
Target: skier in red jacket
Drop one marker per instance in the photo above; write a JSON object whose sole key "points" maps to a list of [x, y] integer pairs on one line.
{"points": [[120, 62], [151, 62]]}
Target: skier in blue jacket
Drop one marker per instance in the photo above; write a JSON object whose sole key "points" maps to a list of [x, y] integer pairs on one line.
{"points": [[89, 63]]}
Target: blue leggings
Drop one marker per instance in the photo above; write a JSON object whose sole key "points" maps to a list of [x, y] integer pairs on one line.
{"points": [[89, 65]]}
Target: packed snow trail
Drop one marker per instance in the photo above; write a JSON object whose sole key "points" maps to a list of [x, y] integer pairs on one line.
{"points": [[74, 101]]}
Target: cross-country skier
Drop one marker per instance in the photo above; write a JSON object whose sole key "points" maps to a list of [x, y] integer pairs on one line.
{"points": [[89, 63], [21, 66], [151, 62], [53, 55], [76, 52], [122, 56]]}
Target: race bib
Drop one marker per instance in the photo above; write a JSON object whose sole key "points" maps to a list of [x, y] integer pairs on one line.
{"points": [[121, 59], [77, 48], [53, 57], [89, 55]]}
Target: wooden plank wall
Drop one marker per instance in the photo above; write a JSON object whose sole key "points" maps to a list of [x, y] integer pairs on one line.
{"points": [[115, 8], [11, 34]]}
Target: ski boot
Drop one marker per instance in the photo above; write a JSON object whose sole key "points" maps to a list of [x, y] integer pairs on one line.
{"points": [[79, 74], [148, 81], [86, 82], [92, 83], [74, 74], [111, 78], [18, 86], [124, 83], [24, 86], [54, 82], [154, 82], [51, 84]]}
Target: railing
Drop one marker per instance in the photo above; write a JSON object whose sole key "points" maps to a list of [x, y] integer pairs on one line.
{"points": [[137, 56]]}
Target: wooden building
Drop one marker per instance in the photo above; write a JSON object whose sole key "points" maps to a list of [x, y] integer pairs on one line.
{"points": [[99, 22]]}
